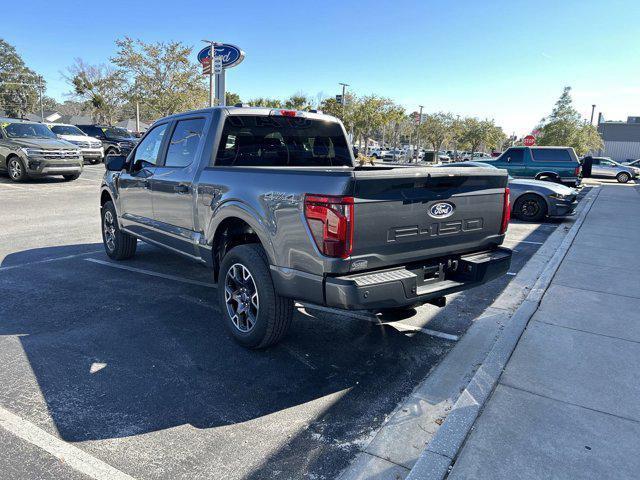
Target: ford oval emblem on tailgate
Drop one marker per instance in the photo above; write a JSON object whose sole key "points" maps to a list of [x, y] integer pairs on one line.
{"points": [[441, 210]]}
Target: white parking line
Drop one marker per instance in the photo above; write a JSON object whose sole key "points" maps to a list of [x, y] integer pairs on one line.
{"points": [[523, 241], [400, 326], [300, 357], [48, 260], [153, 274], [68, 454]]}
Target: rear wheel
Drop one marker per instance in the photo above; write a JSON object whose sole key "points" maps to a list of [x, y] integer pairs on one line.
{"points": [[69, 178], [16, 170], [253, 312], [623, 177], [119, 245], [530, 207]]}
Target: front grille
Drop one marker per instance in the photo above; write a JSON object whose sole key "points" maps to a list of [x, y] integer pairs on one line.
{"points": [[53, 154], [88, 144]]}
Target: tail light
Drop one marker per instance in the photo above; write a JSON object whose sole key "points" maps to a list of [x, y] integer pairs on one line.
{"points": [[578, 170], [330, 219], [506, 212]]}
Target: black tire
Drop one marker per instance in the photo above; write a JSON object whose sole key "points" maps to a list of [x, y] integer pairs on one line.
{"points": [[272, 315], [623, 177], [122, 245], [70, 178], [16, 169], [95, 161], [530, 207]]}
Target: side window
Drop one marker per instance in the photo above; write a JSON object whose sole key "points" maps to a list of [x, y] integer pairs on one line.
{"points": [[184, 142], [551, 155], [514, 156], [149, 148], [595, 161], [607, 163]]}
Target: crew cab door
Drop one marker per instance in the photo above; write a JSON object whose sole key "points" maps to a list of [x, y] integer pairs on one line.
{"points": [[136, 209], [172, 188]]}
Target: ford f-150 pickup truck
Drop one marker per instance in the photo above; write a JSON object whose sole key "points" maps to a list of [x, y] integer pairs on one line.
{"points": [[272, 201]]}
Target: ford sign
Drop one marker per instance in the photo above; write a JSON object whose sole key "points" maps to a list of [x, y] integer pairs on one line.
{"points": [[441, 210], [231, 55]]}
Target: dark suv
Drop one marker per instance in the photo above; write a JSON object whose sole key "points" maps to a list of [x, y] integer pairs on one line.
{"points": [[30, 149], [115, 140]]}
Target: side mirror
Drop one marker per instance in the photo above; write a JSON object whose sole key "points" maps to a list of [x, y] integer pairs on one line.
{"points": [[508, 159], [115, 163]]}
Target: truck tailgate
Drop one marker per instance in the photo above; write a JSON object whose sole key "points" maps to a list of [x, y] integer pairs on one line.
{"points": [[410, 214]]}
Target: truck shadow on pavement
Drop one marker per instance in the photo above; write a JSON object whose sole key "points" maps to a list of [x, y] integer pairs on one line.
{"points": [[115, 353]]}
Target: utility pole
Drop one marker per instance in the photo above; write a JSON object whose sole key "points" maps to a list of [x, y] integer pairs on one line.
{"points": [[593, 109], [137, 117], [41, 105], [418, 133]]}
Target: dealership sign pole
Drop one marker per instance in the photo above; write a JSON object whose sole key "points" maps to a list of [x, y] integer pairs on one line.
{"points": [[215, 59]]}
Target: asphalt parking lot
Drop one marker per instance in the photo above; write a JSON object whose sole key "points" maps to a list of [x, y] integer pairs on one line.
{"points": [[128, 361]]}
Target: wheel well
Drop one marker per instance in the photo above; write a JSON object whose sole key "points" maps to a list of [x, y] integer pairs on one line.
{"points": [[104, 198], [547, 174], [230, 233]]}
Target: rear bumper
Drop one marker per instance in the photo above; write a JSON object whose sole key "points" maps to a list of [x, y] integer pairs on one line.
{"points": [[395, 287]]}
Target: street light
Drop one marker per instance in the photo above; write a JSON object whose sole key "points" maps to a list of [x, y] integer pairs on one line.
{"points": [[344, 102]]}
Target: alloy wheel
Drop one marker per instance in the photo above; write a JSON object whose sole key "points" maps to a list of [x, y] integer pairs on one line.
{"points": [[15, 169], [241, 297], [109, 231], [530, 208]]}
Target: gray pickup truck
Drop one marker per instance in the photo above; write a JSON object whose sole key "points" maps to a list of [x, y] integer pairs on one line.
{"points": [[272, 201]]}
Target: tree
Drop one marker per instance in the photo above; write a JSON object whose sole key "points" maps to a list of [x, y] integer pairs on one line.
{"points": [[101, 88], [298, 101], [481, 132], [265, 102], [368, 116], [232, 98], [161, 75], [19, 91], [436, 129], [565, 127]]}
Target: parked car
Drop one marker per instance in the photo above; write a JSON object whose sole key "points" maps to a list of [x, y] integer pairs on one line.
{"points": [[30, 149], [604, 167], [312, 227], [556, 164], [395, 154], [533, 200], [90, 148], [115, 140], [635, 164], [377, 152]]}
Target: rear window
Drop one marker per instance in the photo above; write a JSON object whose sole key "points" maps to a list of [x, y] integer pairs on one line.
{"points": [[269, 141], [551, 155]]}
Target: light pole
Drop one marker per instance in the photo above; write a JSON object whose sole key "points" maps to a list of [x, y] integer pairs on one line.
{"points": [[593, 109], [418, 134], [344, 102]]}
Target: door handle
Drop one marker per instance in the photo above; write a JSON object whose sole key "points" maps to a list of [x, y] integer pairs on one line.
{"points": [[181, 188]]}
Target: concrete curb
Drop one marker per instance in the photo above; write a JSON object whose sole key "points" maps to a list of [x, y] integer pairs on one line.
{"points": [[436, 459]]}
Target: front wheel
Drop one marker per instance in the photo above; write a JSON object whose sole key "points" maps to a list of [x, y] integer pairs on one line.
{"points": [[530, 207], [253, 312], [16, 170], [623, 177], [72, 177], [119, 245]]}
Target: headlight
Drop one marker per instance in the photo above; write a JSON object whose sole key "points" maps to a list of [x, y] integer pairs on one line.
{"points": [[31, 152], [558, 196]]}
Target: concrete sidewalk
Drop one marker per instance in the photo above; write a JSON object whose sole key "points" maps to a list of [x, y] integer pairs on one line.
{"points": [[568, 403]]}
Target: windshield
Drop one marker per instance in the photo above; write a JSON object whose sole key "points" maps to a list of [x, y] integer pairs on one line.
{"points": [[274, 141], [117, 132], [27, 130], [66, 130]]}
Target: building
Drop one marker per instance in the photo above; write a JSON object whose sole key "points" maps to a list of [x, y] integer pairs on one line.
{"points": [[621, 139]]}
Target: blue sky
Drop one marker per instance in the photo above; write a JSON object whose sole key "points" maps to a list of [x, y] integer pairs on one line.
{"points": [[503, 60]]}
